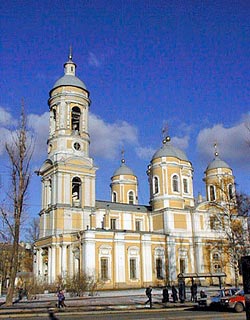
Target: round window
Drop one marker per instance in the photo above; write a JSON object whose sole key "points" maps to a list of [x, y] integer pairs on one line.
{"points": [[77, 146]]}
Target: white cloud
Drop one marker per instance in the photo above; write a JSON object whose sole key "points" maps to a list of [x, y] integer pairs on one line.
{"points": [[39, 125], [181, 143], [232, 142], [106, 139], [93, 60], [6, 119], [145, 153], [5, 137]]}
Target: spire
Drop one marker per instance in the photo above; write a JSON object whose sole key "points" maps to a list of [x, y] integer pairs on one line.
{"points": [[70, 53], [216, 153], [70, 66], [122, 153], [165, 135]]}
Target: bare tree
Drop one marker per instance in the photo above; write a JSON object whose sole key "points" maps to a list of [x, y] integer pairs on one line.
{"points": [[230, 221], [32, 232], [19, 152]]}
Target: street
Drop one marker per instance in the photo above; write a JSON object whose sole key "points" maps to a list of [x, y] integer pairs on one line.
{"points": [[145, 314]]}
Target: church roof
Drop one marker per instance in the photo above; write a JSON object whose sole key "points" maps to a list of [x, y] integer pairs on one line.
{"points": [[168, 150], [69, 80], [123, 170], [217, 163]]}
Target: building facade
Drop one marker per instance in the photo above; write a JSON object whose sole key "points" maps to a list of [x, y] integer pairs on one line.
{"points": [[121, 243]]}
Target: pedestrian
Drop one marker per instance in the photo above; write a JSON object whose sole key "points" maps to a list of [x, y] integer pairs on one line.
{"points": [[174, 294], [192, 291], [195, 290], [203, 294], [165, 295], [61, 299], [149, 295], [182, 292]]}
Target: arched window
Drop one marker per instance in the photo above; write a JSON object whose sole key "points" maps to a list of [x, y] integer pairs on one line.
{"points": [[114, 197], [50, 192], [185, 185], [75, 119], [175, 183], [230, 191], [156, 185], [212, 193], [76, 191], [131, 197]]}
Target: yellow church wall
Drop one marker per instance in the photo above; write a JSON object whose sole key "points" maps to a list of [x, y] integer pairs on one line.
{"points": [[176, 203], [158, 205], [158, 221], [59, 219], [180, 221], [76, 220], [201, 222]]}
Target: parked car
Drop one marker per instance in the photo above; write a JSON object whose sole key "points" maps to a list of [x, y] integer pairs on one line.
{"points": [[213, 301], [235, 302]]}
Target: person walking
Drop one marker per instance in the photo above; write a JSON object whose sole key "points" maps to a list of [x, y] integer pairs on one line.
{"points": [[61, 299], [149, 295], [174, 294], [195, 290]]}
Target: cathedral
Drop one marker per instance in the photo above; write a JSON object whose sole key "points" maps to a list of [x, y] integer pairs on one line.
{"points": [[119, 242]]}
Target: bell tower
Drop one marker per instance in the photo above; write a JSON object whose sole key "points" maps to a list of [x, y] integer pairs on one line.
{"points": [[68, 174]]}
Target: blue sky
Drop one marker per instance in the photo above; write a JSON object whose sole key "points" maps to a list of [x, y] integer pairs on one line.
{"points": [[147, 64]]}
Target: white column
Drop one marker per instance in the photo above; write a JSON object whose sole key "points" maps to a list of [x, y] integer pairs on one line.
{"points": [[39, 263], [88, 262], [199, 255], [53, 261], [71, 262], [63, 260], [146, 262], [119, 259], [49, 265], [171, 259]]}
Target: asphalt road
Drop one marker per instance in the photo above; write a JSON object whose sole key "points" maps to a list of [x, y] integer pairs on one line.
{"points": [[148, 314]]}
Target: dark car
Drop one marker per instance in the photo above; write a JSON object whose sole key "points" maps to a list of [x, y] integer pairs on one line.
{"points": [[235, 302]]}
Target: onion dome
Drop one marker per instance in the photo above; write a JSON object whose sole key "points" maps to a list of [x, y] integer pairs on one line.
{"points": [[69, 78], [168, 150], [123, 170]]}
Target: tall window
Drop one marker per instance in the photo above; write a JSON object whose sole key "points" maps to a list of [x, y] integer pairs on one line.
{"points": [[212, 193], [230, 191], [159, 268], [138, 225], [76, 187], [75, 119], [113, 224], [156, 185], [182, 266], [114, 197], [104, 269], [49, 192], [185, 185], [175, 183], [132, 268], [131, 197]]}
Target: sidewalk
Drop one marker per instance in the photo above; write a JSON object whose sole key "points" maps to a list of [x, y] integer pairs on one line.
{"points": [[108, 301]]}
